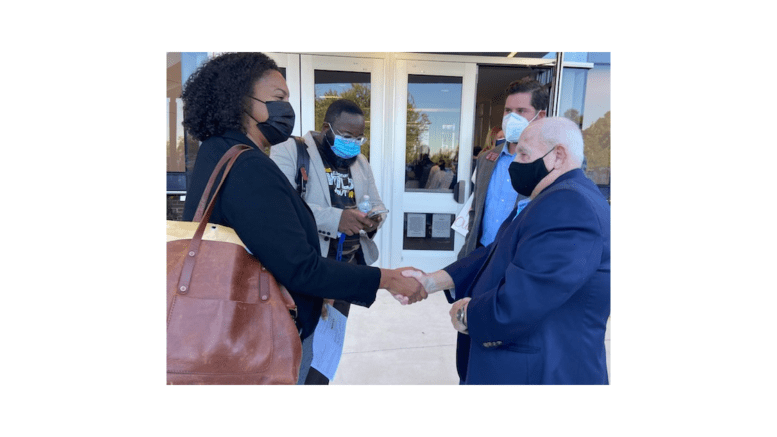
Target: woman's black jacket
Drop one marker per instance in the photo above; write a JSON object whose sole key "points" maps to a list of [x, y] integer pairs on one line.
{"points": [[278, 228]]}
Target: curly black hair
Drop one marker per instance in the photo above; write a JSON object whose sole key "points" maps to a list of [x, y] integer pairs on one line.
{"points": [[215, 95]]}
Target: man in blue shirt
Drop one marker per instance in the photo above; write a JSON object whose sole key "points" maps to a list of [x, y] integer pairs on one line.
{"points": [[494, 196]]}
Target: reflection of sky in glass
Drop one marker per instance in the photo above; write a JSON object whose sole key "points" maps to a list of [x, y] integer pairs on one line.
{"points": [[597, 99], [189, 63], [572, 91], [587, 91], [441, 102], [339, 88]]}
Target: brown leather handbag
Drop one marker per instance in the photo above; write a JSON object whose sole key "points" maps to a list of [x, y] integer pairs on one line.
{"points": [[228, 321]]}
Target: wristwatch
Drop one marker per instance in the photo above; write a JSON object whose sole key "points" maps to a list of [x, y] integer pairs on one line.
{"points": [[461, 315]]}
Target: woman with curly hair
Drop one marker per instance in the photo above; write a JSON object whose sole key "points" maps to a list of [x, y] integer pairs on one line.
{"points": [[242, 98]]}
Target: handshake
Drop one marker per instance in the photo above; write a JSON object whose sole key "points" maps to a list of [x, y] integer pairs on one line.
{"points": [[409, 285]]}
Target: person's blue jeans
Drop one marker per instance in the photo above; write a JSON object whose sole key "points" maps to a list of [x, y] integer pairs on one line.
{"points": [[307, 359]]}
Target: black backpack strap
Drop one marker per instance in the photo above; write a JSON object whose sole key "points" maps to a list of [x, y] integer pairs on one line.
{"points": [[303, 164]]}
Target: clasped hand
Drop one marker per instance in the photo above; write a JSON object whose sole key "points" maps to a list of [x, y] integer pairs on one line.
{"points": [[431, 283], [437, 281], [352, 221], [404, 289], [428, 284]]}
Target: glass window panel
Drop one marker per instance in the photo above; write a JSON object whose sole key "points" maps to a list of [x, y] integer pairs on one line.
{"points": [[575, 56], [176, 153], [354, 86], [190, 61], [585, 99], [540, 55], [596, 126], [599, 57], [181, 150], [432, 134], [573, 94]]}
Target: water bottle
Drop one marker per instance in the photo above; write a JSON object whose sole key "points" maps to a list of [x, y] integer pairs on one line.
{"points": [[364, 204]]}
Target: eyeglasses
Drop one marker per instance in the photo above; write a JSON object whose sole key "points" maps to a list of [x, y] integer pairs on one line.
{"points": [[360, 140]]}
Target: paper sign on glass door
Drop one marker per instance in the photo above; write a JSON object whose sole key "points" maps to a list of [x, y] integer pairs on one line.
{"points": [[441, 225], [416, 225]]}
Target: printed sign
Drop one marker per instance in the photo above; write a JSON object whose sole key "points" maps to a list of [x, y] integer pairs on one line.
{"points": [[441, 225], [416, 225]]}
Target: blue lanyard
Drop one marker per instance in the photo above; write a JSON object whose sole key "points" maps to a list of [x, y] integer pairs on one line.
{"points": [[340, 246]]}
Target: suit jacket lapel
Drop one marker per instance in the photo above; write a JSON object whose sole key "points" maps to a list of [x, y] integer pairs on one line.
{"points": [[484, 177], [488, 165], [317, 167], [356, 175]]}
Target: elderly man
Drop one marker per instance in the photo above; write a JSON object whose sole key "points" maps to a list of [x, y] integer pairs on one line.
{"points": [[535, 302]]}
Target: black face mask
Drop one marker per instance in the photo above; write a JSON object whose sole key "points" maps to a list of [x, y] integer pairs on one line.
{"points": [[525, 177], [280, 123]]}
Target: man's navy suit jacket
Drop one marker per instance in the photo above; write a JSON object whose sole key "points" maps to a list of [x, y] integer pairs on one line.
{"points": [[540, 304]]}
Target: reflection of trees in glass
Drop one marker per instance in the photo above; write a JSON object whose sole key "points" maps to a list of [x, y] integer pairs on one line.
{"points": [[574, 115], [597, 148], [439, 157], [359, 94], [175, 156], [417, 124]]}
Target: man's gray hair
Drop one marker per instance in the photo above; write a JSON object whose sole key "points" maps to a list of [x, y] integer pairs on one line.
{"points": [[560, 130]]}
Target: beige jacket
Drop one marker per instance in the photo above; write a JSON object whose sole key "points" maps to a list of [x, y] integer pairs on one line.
{"points": [[317, 193]]}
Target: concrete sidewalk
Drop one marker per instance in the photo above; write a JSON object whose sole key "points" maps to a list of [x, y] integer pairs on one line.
{"points": [[394, 344]]}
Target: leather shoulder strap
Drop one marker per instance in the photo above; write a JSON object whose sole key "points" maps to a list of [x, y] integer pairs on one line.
{"points": [[233, 152], [227, 160]]}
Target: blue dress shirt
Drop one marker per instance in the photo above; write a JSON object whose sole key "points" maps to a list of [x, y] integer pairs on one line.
{"points": [[500, 198]]}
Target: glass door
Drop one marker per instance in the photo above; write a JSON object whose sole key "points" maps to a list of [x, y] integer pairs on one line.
{"points": [[326, 78], [434, 104], [289, 65]]}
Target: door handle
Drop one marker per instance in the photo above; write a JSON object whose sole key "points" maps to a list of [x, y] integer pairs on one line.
{"points": [[458, 191]]}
